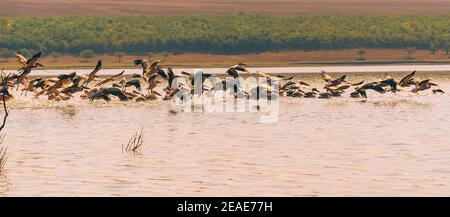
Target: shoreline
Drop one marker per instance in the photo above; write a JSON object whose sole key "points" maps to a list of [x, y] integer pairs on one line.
{"points": [[293, 58], [281, 65], [219, 71]]}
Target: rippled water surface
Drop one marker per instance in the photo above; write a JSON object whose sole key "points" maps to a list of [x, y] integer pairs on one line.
{"points": [[393, 144]]}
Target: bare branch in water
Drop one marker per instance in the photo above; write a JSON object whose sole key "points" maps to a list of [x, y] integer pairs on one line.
{"points": [[4, 87], [2, 154], [6, 112], [135, 143]]}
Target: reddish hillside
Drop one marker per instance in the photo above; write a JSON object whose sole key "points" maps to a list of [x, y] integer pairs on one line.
{"points": [[147, 7]]}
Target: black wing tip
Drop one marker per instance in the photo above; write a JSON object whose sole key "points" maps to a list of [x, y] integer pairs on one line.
{"points": [[137, 62], [99, 64], [185, 73]]}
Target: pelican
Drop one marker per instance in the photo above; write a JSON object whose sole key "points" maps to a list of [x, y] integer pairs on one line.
{"points": [[435, 91], [359, 93], [370, 86], [407, 80], [198, 80], [32, 85], [109, 79], [64, 81], [337, 91], [388, 82], [312, 93], [325, 95], [294, 84], [21, 59], [76, 86], [262, 90], [26, 69], [135, 82], [148, 70], [100, 95], [152, 83], [233, 70], [423, 85], [358, 83], [104, 93], [144, 64], [330, 81], [93, 75], [325, 76], [175, 84], [294, 88]]}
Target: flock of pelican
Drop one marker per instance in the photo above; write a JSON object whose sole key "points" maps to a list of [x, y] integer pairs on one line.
{"points": [[92, 87]]}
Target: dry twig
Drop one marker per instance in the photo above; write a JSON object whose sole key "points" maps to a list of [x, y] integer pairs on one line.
{"points": [[135, 143]]}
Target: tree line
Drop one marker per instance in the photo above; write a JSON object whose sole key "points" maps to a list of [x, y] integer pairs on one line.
{"points": [[221, 33]]}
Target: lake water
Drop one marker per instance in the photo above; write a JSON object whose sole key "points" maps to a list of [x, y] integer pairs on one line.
{"points": [[392, 144], [280, 70]]}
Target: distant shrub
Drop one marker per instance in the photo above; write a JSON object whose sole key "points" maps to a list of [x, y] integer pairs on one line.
{"points": [[87, 54]]}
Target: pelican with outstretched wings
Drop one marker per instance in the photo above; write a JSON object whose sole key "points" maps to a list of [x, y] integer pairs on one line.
{"points": [[93, 75]]}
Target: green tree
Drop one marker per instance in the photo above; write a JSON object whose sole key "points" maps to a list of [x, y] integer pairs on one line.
{"points": [[165, 55], [411, 51], [55, 56], [119, 56], [87, 54], [223, 33], [433, 49], [446, 47]]}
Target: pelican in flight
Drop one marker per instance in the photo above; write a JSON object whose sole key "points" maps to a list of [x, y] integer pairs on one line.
{"points": [[26, 69], [360, 91], [423, 85], [152, 83], [388, 82], [408, 80], [36, 83], [64, 81], [233, 70], [197, 80], [337, 91], [311, 93], [135, 83], [20, 58], [105, 93], [330, 81], [175, 84], [148, 69], [435, 91], [93, 75], [109, 79]]}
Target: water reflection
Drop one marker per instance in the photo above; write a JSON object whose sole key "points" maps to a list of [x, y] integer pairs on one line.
{"points": [[69, 111], [5, 184], [403, 102], [393, 144]]}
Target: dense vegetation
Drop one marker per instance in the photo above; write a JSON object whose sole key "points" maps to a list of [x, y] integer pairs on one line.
{"points": [[224, 33]]}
